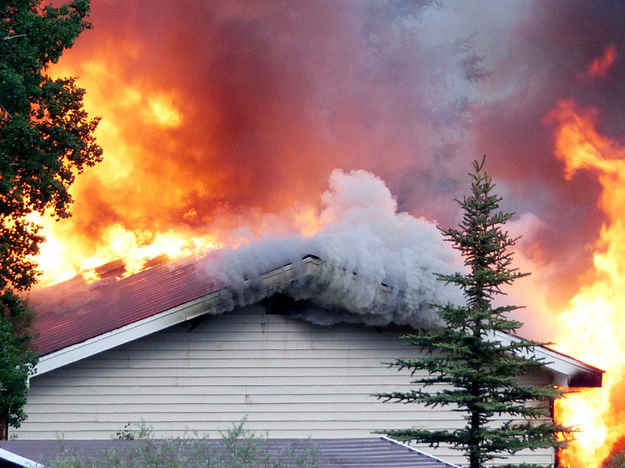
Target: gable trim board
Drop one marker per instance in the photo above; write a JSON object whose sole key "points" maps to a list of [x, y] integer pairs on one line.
{"points": [[568, 372], [126, 334]]}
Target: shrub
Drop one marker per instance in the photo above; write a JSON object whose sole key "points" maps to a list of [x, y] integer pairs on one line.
{"points": [[238, 448]]}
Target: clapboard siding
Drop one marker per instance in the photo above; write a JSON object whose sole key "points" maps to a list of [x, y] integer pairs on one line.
{"points": [[287, 377]]}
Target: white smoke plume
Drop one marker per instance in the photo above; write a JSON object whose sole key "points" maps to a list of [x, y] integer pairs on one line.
{"points": [[377, 264]]}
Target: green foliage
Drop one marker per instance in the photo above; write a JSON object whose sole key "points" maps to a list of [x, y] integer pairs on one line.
{"points": [[239, 448], [479, 373], [46, 139], [125, 434], [16, 365]]}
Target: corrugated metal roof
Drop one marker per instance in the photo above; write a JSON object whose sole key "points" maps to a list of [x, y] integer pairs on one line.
{"points": [[348, 453], [72, 312]]}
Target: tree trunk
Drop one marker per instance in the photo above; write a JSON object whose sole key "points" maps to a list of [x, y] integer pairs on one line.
{"points": [[4, 427], [474, 454]]}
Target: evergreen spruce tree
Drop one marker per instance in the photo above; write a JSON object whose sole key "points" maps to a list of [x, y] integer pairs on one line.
{"points": [[478, 372]]}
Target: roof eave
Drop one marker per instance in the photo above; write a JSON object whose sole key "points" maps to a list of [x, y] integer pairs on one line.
{"points": [[414, 449], [568, 371]]}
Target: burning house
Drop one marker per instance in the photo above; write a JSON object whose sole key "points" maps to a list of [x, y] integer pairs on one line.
{"points": [[287, 332], [223, 114], [297, 351]]}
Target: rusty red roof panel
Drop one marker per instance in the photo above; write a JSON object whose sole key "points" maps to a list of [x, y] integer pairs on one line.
{"points": [[72, 312]]}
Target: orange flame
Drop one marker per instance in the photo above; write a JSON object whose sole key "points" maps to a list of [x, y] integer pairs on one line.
{"points": [[143, 201], [600, 66], [592, 326]]}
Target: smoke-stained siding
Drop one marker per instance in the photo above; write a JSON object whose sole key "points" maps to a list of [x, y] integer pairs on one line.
{"points": [[288, 377]]}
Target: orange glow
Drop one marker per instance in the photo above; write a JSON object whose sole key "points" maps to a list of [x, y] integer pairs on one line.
{"points": [[179, 172], [602, 65], [96, 234], [592, 327], [163, 112], [163, 188], [307, 221], [60, 261]]}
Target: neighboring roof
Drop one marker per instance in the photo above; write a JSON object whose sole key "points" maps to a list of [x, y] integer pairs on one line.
{"points": [[379, 452], [76, 320]]}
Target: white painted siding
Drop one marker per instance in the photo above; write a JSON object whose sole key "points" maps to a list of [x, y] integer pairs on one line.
{"points": [[289, 378]]}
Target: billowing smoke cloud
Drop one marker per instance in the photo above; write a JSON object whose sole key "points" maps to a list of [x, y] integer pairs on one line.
{"points": [[373, 265], [377, 265]]}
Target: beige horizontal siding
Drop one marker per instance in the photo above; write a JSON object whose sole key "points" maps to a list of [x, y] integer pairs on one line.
{"points": [[287, 377]]}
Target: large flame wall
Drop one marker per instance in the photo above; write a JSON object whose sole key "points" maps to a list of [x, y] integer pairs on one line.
{"points": [[216, 113], [223, 120]]}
